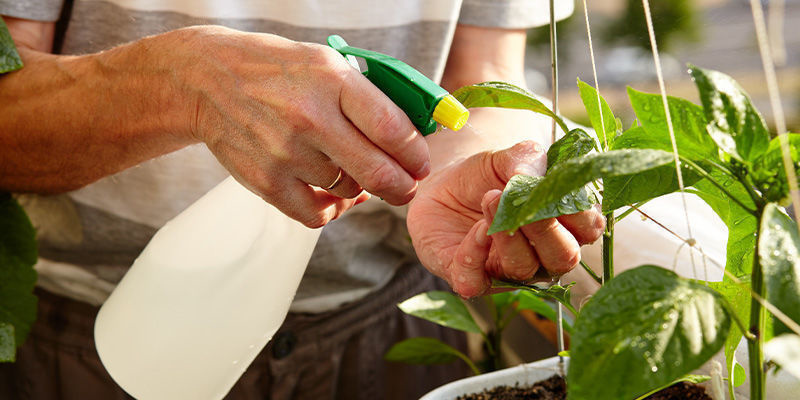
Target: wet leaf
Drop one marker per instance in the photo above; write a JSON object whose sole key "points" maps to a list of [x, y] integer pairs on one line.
{"points": [[17, 276], [503, 95], [530, 301], [441, 308], [609, 126], [571, 175], [574, 144], [739, 299], [423, 350], [778, 247], [734, 123], [9, 58], [769, 174], [516, 194], [651, 324]]}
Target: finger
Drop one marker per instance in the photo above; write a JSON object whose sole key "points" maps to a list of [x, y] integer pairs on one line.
{"points": [[557, 249], [312, 207], [467, 275], [518, 260], [368, 165], [385, 124], [526, 158], [586, 226], [318, 170]]}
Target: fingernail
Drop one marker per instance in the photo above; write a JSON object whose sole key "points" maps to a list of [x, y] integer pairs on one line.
{"points": [[481, 236], [424, 171]]}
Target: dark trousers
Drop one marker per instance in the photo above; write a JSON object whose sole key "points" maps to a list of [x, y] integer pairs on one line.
{"points": [[333, 355]]}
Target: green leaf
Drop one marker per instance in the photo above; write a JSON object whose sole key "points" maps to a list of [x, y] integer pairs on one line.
{"points": [[571, 175], [530, 301], [9, 58], [769, 174], [574, 144], [558, 293], [517, 193], [734, 123], [651, 324], [441, 308], [778, 248], [609, 126], [784, 350], [8, 348], [739, 300], [503, 95], [503, 301], [739, 375], [625, 190], [17, 276], [741, 224], [423, 350], [688, 125]]}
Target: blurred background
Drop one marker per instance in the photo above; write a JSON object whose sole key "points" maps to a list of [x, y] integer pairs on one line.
{"points": [[716, 34]]}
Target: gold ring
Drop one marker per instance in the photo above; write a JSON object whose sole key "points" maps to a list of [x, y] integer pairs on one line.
{"points": [[337, 181]]}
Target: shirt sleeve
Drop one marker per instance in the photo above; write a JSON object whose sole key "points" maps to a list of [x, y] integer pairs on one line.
{"points": [[512, 14], [38, 10]]}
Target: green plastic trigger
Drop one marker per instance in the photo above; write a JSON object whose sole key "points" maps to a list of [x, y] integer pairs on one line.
{"points": [[412, 91]]}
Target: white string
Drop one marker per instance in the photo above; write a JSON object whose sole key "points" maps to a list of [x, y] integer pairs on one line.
{"points": [[594, 73], [660, 75], [775, 16], [777, 106]]}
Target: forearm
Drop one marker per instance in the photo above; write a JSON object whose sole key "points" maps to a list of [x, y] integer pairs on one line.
{"points": [[67, 121]]}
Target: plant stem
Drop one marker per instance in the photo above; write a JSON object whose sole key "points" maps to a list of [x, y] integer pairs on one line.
{"points": [[719, 186], [472, 366], [758, 318], [591, 273], [608, 248], [630, 209]]}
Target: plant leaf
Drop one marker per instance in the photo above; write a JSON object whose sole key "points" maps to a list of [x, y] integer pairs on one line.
{"points": [[558, 293], [739, 300], [571, 175], [785, 351], [503, 95], [574, 144], [778, 247], [423, 350], [769, 175], [17, 276], [651, 324], [646, 185], [530, 301], [609, 126], [688, 125], [734, 124], [441, 308], [517, 193], [8, 349], [9, 58]]}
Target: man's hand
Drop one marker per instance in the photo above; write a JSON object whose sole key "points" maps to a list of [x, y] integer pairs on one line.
{"points": [[283, 115], [450, 216], [285, 118]]}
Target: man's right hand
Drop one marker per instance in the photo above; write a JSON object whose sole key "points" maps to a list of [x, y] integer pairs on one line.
{"points": [[282, 116]]}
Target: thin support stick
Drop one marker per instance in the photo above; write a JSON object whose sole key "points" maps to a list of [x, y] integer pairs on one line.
{"points": [[594, 73], [775, 102], [649, 19], [554, 58], [775, 16]]}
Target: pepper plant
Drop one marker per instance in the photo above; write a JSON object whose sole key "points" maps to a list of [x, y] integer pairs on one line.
{"points": [[648, 327], [17, 247]]}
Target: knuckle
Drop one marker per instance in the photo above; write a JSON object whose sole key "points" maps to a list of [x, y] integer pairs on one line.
{"points": [[300, 117], [566, 261], [389, 124], [382, 178], [315, 219]]}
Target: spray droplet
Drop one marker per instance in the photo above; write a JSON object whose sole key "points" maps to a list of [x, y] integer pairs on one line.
{"points": [[654, 368], [467, 259]]}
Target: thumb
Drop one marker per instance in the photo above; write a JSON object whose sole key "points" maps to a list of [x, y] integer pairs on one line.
{"points": [[528, 158]]}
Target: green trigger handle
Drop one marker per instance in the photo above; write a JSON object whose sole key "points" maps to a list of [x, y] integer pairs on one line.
{"points": [[425, 102]]}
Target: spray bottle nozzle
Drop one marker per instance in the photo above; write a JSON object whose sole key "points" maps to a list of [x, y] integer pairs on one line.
{"points": [[425, 102]]}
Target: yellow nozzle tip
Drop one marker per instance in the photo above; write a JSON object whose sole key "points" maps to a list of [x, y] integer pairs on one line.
{"points": [[450, 113]]}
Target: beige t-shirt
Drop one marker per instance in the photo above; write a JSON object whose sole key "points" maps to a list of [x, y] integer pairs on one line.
{"points": [[88, 238]]}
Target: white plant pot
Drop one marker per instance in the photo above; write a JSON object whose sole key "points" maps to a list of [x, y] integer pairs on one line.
{"points": [[525, 374]]}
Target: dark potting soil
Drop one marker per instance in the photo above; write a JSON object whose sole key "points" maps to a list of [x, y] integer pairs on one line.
{"points": [[555, 388]]}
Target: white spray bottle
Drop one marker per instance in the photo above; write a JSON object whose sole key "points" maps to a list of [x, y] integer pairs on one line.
{"points": [[216, 282]]}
